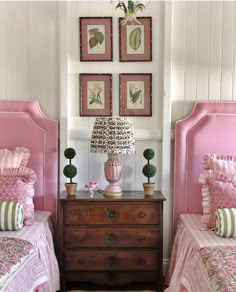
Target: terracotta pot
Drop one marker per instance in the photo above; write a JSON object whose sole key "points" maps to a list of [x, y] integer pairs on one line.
{"points": [[148, 188], [71, 188]]}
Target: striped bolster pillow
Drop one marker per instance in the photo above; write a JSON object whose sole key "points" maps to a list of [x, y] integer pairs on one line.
{"points": [[225, 222], [11, 216]]}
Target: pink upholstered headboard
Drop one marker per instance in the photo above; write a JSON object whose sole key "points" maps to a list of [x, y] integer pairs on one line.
{"points": [[22, 123], [210, 128]]}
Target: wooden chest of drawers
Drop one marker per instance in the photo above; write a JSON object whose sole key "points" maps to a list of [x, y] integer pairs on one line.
{"points": [[111, 241]]}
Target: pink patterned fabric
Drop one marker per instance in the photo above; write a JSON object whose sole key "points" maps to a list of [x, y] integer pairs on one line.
{"points": [[14, 159], [41, 236], [222, 163], [218, 191], [211, 269], [188, 240], [20, 188], [18, 257]]}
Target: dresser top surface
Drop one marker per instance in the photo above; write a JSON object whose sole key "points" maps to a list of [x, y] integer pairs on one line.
{"points": [[126, 196]]}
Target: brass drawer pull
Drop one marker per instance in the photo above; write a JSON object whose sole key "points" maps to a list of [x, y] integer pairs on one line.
{"points": [[112, 214], [141, 214], [81, 261], [81, 214], [141, 238], [141, 261], [111, 238], [81, 237], [112, 261]]}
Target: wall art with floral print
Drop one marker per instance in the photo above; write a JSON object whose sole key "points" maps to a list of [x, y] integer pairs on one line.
{"points": [[95, 94], [136, 94]]}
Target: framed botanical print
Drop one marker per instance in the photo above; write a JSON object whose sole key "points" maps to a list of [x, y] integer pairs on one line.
{"points": [[136, 94], [95, 94], [95, 38], [135, 40]]}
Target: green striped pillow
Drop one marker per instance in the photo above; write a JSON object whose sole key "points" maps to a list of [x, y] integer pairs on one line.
{"points": [[11, 216], [225, 222]]}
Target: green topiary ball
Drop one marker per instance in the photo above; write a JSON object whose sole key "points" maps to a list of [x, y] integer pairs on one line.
{"points": [[149, 170], [69, 153], [70, 171], [148, 154]]}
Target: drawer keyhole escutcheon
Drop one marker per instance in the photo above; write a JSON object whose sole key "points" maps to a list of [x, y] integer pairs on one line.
{"points": [[112, 261], [141, 214], [82, 213], [82, 237], [81, 261], [141, 261], [111, 238]]}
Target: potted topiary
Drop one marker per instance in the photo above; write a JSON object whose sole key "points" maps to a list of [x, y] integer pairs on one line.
{"points": [[70, 172], [149, 170]]}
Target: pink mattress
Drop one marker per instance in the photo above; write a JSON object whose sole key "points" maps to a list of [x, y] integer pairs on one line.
{"points": [[188, 240], [40, 235]]}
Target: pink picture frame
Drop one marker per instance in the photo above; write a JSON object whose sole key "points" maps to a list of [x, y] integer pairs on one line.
{"points": [[96, 39], [135, 94], [95, 95], [135, 40]]}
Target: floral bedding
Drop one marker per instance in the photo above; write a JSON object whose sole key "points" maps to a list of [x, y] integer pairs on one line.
{"points": [[211, 269], [19, 258]]}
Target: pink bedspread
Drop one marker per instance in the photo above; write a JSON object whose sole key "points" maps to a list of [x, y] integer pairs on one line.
{"points": [[187, 242], [40, 235], [211, 269]]}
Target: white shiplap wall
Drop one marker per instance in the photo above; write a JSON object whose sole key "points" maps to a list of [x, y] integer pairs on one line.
{"points": [[203, 54], [29, 53], [193, 53]]}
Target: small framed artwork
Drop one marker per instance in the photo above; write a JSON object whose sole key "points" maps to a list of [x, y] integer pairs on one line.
{"points": [[136, 94], [95, 38], [135, 40], [95, 94]]}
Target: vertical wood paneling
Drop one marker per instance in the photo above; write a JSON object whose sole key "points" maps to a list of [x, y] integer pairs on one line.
{"points": [[227, 50], [191, 51], [215, 50], [42, 54], [10, 42], [2, 51], [178, 59], [203, 50]]}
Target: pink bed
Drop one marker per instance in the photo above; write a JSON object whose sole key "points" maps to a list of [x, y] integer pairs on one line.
{"points": [[210, 128], [22, 123]]}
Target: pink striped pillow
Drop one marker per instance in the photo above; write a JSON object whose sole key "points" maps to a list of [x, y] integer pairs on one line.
{"points": [[18, 186], [14, 159]]}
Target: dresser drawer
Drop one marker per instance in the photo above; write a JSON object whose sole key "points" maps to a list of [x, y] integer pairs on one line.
{"points": [[110, 260], [112, 214], [117, 237]]}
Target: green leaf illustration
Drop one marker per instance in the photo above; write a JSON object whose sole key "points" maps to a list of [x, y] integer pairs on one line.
{"points": [[135, 38], [99, 36], [135, 96], [93, 100], [93, 30], [92, 42]]}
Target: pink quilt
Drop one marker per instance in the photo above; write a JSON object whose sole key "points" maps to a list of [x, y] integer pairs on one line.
{"points": [[19, 257], [211, 269]]}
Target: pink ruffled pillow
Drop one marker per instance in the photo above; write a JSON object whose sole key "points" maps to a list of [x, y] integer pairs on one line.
{"points": [[222, 163], [218, 191], [17, 158], [17, 185]]}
